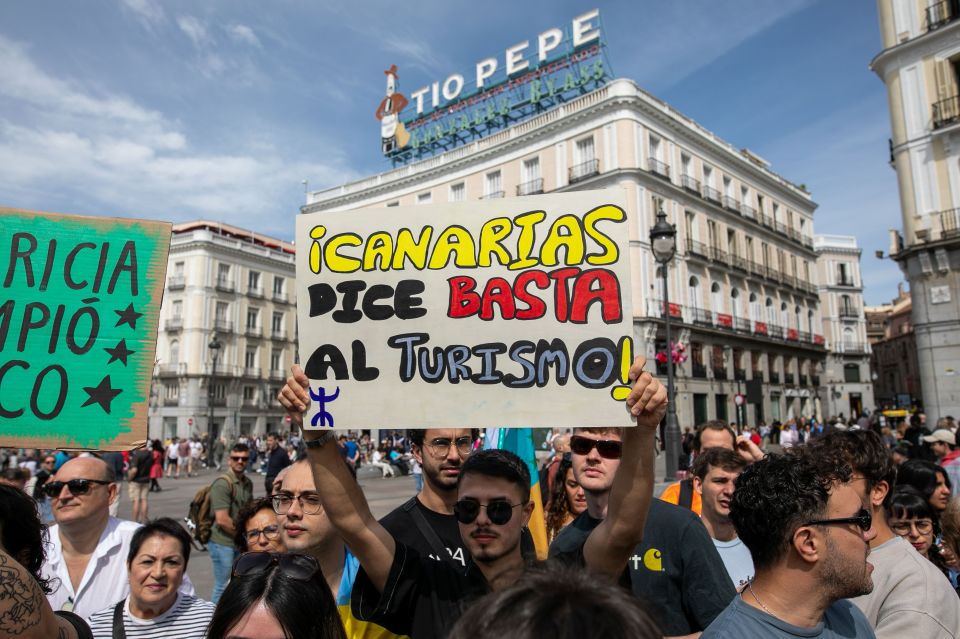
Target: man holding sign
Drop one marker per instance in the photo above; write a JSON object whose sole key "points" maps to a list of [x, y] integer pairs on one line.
{"points": [[404, 593]]}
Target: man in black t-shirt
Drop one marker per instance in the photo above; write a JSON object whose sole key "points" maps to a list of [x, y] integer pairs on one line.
{"points": [[139, 486], [441, 453], [422, 597], [675, 567]]}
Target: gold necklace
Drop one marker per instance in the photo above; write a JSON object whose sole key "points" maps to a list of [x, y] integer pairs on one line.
{"points": [[750, 588]]}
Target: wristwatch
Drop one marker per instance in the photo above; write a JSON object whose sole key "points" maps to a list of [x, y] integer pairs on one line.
{"points": [[319, 441]]}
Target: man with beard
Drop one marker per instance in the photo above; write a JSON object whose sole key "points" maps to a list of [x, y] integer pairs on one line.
{"points": [[426, 523], [911, 597], [808, 532], [714, 472]]}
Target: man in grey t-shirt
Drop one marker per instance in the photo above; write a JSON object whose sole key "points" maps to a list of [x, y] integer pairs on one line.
{"points": [[808, 533]]}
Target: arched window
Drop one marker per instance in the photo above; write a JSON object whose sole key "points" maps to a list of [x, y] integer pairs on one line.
{"points": [[784, 316], [810, 322], [849, 338], [717, 298], [771, 313], [754, 308], [735, 302], [696, 300], [796, 312], [174, 352]]}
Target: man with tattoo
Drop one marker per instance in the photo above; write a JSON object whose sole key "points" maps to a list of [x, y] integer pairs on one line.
{"points": [[87, 549], [24, 611]]}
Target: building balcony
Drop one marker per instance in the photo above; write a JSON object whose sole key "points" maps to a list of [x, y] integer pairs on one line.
{"points": [[176, 282], [731, 204], [740, 374], [775, 331], [711, 194], [741, 324], [849, 312], [225, 284], [794, 235], [760, 328], [171, 401], [724, 321], [719, 373], [173, 324], [793, 335], [690, 183], [253, 331], [278, 333], [280, 297], [766, 220], [949, 223], [698, 371], [852, 348], [755, 268], [719, 255], [939, 14], [702, 316], [748, 211], [805, 336], [584, 170], [780, 228], [695, 248], [251, 371], [946, 112], [492, 195], [789, 280], [223, 326], [171, 369], [277, 374], [219, 402], [255, 291], [531, 187], [655, 308], [249, 402], [659, 168], [739, 263]]}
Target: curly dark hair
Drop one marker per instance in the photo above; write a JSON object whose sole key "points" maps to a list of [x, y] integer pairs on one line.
{"points": [[24, 535], [245, 514], [862, 450], [774, 496], [558, 506]]}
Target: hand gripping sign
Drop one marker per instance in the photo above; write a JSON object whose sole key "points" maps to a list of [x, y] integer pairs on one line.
{"points": [[78, 328], [470, 314]]}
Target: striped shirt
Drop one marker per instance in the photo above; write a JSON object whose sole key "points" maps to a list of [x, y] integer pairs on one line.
{"points": [[187, 618]]}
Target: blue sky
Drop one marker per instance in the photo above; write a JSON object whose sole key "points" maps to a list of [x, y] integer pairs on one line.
{"points": [[180, 109]]}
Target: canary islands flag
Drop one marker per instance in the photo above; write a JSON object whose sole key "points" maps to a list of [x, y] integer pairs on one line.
{"points": [[519, 441]]}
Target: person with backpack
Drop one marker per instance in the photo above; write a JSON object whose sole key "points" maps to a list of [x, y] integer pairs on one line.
{"points": [[228, 493], [138, 486]]}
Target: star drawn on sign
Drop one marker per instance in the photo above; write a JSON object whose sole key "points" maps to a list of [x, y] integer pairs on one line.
{"points": [[103, 393], [120, 352], [128, 316]]}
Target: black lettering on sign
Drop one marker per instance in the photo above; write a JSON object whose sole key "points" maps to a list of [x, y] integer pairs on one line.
{"points": [[23, 255], [325, 357]]}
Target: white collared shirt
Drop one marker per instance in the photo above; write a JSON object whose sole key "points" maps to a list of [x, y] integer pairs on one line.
{"points": [[104, 581]]}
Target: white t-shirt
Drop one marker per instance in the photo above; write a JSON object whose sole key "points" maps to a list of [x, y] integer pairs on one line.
{"points": [[736, 559], [187, 618], [195, 449], [172, 450]]}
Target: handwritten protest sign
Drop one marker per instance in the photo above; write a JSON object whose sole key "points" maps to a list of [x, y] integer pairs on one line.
{"points": [[471, 314], [78, 328]]}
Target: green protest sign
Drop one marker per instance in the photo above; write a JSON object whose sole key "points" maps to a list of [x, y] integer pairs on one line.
{"points": [[78, 328]]}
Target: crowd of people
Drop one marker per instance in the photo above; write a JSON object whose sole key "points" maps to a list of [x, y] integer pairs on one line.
{"points": [[832, 536]]}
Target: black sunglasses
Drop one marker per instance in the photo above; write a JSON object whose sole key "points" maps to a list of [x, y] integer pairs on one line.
{"points": [[499, 511], [863, 519], [76, 486], [299, 567], [607, 448]]}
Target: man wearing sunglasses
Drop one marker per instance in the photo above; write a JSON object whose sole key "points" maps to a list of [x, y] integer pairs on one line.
{"points": [[911, 597], [87, 548], [229, 493], [421, 597], [808, 533], [675, 566]]}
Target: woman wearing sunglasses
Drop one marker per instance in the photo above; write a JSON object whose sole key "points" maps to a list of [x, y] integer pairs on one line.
{"points": [[258, 528], [156, 565], [276, 596]]}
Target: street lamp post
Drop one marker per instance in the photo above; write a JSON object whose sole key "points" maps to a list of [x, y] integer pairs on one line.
{"points": [[212, 434], [663, 241]]}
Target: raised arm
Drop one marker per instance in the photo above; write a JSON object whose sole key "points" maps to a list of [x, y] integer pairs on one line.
{"points": [[25, 612], [343, 501], [611, 543]]}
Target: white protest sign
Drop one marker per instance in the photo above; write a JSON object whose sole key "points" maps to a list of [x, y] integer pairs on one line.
{"points": [[501, 312]]}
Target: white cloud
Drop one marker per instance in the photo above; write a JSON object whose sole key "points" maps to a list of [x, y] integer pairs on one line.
{"points": [[244, 34], [149, 13], [195, 30], [107, 154]]}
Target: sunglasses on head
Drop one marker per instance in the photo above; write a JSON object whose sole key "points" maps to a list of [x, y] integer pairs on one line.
{"points": [[606, 448], [863, 520], [499, 511], [299, 567], [76, 486]]}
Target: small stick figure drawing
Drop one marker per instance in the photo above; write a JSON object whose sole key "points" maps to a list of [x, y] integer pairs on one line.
{"points": [[322, 398]]}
